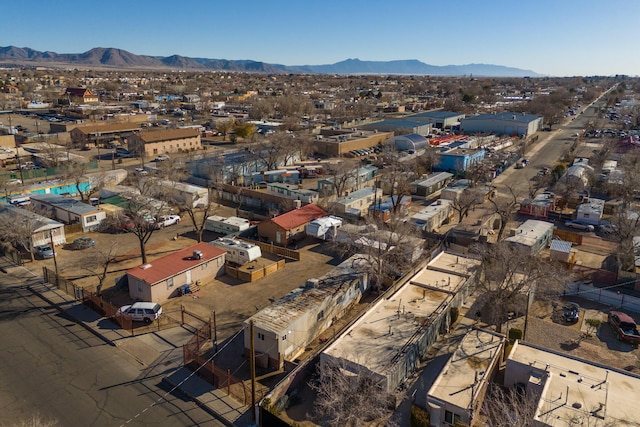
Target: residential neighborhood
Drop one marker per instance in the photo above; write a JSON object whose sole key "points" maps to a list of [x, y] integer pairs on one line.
{"points": [[300, 239]]}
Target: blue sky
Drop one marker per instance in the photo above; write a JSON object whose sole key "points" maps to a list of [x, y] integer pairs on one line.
{"points": [[551, 37]]}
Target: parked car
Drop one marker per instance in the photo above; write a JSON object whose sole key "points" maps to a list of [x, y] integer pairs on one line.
{"points": [[140, 171], [146, 312], [579, 225], [83, 243], [43, 252], [161, 158], [571, 313], [167, 220], [624, 327]]}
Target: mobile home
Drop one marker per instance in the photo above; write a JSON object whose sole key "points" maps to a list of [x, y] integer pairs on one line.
{"points": [[231, 225], [238, 251]]}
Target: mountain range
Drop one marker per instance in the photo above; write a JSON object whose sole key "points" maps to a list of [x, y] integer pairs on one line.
{"points": [[121, 59]]}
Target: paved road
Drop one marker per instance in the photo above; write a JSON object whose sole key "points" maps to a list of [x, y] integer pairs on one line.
{"points": [[547, 150], [53, 367]]}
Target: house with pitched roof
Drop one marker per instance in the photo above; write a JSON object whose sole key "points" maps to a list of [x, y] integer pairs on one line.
{"points": [[161, 141], [290, 226], [162, 278], [81, 95]]}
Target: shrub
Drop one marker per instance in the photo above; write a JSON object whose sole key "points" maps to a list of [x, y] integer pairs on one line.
{"points": [[419, 417], [515, 334]]}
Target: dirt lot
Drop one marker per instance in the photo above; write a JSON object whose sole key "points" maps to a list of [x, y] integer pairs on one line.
{"points": [[545, 329], [232, 300]]}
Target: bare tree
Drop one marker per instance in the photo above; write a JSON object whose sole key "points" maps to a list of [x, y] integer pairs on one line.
{"points": [[342, 175], [505, 206], [398, 176], [507, 274], [98, 264], [383, 250], [349, 400], [509, 407], [465, 201]]}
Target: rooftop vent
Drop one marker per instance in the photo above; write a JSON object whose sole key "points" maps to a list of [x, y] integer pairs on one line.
{"points": [[197, 254], [145, 266]]}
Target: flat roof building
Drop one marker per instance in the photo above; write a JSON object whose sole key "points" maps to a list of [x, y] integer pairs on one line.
{"points": [[389, 340], [457, 394], [571, 388]]}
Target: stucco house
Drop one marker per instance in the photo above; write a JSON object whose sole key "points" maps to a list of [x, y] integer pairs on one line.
{"points": [[155, 142], [161, 279]]}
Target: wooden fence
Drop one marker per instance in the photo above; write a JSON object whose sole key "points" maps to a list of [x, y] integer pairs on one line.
{"points": [[72, 228], [273, 249]]}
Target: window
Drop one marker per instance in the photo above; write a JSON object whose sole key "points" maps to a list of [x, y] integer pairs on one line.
{"points": [[448, 417], [205, 265], [284, 338], [451, 418], [321, 315], [139, 287], [170, 283], [92, 218], [260, 336]]}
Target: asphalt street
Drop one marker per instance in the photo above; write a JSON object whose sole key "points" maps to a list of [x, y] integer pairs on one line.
{"points": [[55, 370]]}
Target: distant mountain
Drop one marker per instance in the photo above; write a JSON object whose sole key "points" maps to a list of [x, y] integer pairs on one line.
{"points": [[121, 59]]}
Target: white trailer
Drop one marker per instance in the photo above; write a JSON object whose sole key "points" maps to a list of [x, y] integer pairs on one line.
{"points": [[231, 225], [325, 228], [238, 251]]}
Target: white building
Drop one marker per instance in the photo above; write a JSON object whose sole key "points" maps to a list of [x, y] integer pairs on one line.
{"points": [[284, 329], [457, 393], [573, 391], [293, 191], [390, 339], [534, 235], [192, 196], [591, 211], [69, 210], [44, 229], [507, 123], [433, 216]]}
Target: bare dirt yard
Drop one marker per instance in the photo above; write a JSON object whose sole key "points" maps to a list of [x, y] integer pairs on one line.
{"points": [[547, 330]]}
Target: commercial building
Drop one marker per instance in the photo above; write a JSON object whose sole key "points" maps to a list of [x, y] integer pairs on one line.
{"points": [[400, 126], [162, 278], [411, 142], [150, 143], [459, 159], [572, 391], [457, 394], [439, 119], [337, 142], [283, 330], [388, 341], [520, 124]]}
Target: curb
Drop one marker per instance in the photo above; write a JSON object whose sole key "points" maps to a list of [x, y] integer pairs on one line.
{"points": [[78, 321]]}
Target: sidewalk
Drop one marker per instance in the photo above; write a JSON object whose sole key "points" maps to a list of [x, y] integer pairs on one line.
{"points": [[158, 353]]}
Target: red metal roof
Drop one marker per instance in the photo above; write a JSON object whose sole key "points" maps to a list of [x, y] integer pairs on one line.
{"points": [[298, 217], [168, 266]]}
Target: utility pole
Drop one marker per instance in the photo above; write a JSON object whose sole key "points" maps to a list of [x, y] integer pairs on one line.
{"points": [[55, 261], [253, 372], [215, 333], [15, 141]]}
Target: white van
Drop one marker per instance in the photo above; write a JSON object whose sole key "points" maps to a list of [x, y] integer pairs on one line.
{"points": [[143, 311], [19, 200]]}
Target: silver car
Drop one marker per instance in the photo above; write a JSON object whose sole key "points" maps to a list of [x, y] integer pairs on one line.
{"points": [[43, 252]]}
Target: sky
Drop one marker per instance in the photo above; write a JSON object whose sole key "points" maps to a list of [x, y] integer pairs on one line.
{"points": [[549, 37]]}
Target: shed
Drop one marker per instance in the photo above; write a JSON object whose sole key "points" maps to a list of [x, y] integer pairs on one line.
{"points": [[560, 250]]}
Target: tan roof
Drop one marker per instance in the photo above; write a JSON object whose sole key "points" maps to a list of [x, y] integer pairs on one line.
{"points": [[168, 134], [108, 127]]}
